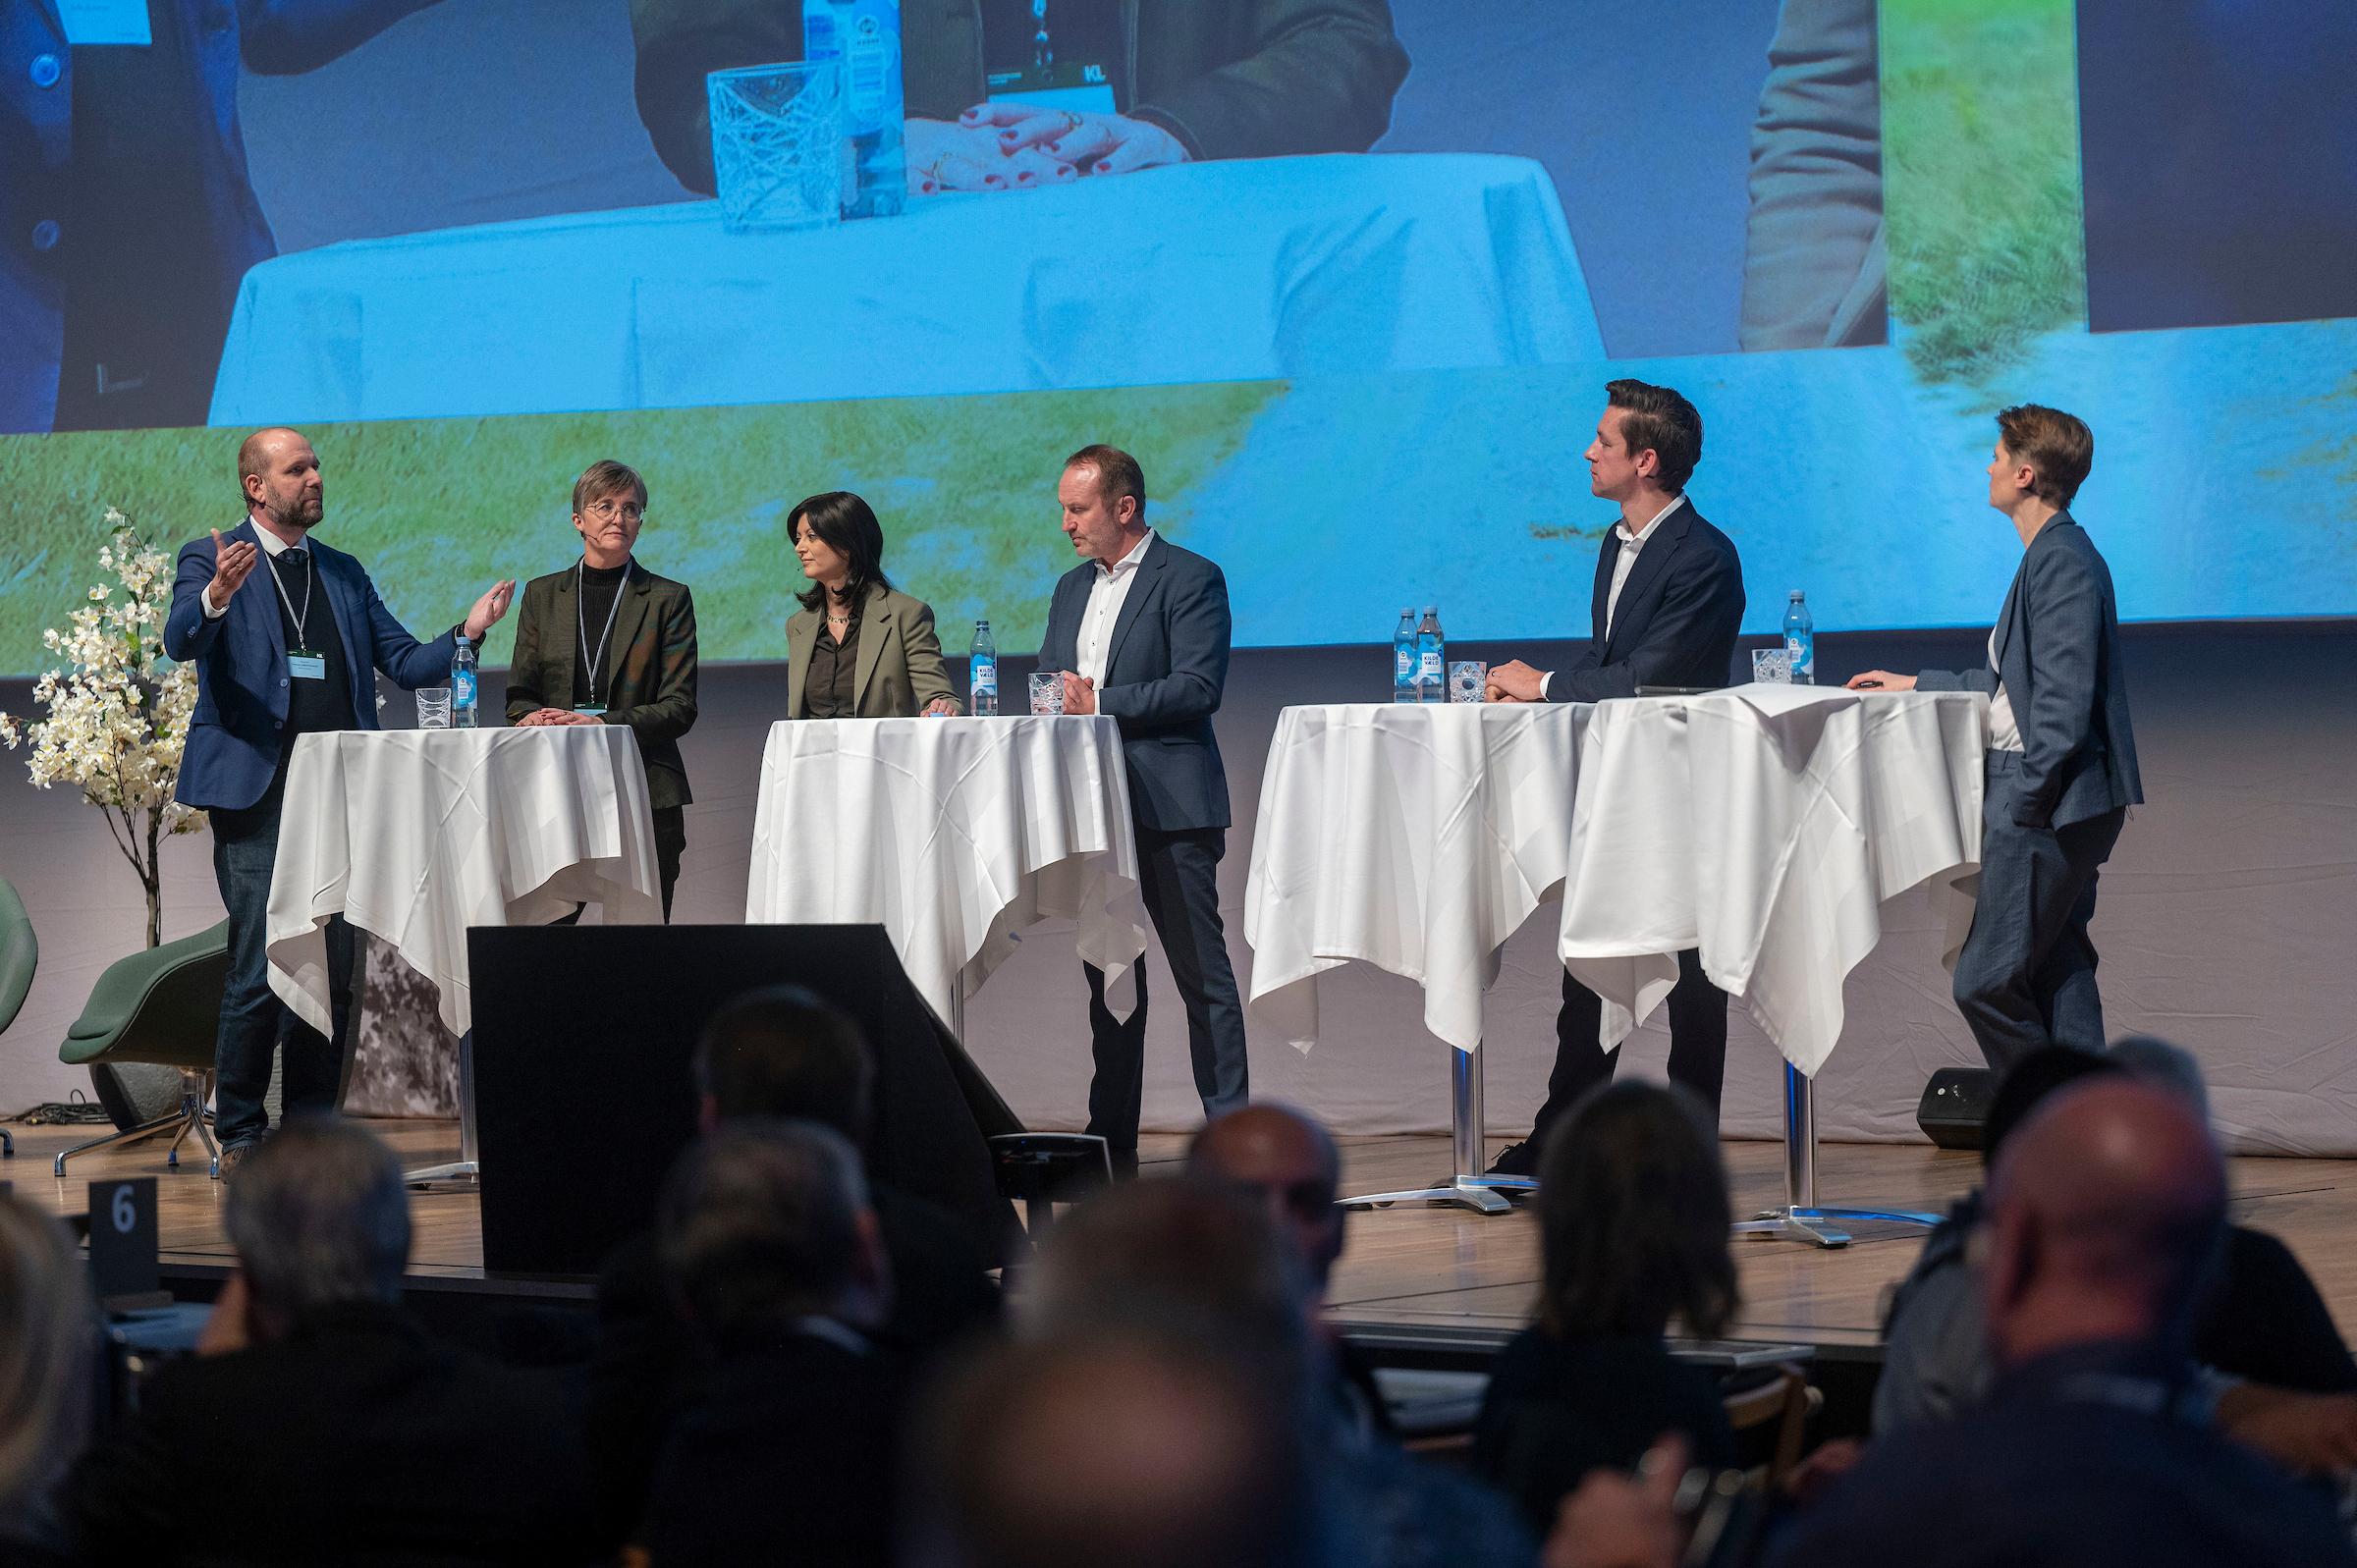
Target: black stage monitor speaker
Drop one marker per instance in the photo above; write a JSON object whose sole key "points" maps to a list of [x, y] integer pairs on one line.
{"points": [[583, 1096], [1954, 1113]]}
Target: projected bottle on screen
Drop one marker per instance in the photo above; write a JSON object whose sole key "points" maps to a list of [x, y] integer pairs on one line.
{"points": [[1800, 641], [1403, 658], [983, 673], [464, 709], [865, 36], [1430, 658]]}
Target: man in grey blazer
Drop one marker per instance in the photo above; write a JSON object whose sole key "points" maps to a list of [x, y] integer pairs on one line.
{"points": [[2061, 755], [1140, 630]]}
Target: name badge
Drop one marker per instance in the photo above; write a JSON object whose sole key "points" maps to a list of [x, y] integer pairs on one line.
{"points": [[303, 665], [592, 713], [89, 22]]}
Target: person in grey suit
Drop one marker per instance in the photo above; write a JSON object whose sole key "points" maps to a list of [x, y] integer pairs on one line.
{"points": [[1139, 629], [2061, 769]]}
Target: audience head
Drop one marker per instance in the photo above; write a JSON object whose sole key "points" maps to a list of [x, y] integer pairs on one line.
{"points": [[2026, 1085], [1285, 1160], [49, 1346], [1175, 1257], [2107, 1213], [319, 1218], [1115, 1446], [764, 1221], [783, 1052], [2165, 1065], [1633, 1218]]}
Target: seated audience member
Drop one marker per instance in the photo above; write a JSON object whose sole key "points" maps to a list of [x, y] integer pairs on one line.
{"points": [[778, 1053], [2264, 1335], [2094, 1445], [1187, 1257], [1633, 1233], [317, 1423], [1116, 1448], [789, 1455], [48, 1348], [1282, 1158]]}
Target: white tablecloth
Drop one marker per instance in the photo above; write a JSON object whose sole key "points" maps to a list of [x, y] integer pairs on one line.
{"points": [[1413, 838], [1247, 270], [415, 834], [1767, 826], [953, 835]]}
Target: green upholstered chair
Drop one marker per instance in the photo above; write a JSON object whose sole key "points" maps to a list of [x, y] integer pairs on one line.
{"points": [[161, 1006], [20, 955]]}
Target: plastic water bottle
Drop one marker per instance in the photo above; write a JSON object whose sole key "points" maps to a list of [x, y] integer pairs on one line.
{"points": [[865, 36], [982, 674], [1432, 671], [462, 705], [1800, 641], [1403, 658]]}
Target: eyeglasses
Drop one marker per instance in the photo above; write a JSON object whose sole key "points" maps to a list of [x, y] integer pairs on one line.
{"points": [[608, 509]]}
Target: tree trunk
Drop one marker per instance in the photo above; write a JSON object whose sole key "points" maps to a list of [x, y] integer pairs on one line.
{"points": [[153, 876]]}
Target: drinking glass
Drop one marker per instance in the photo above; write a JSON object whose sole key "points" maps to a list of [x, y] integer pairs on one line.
{"points": [[779, 152], [1770, 666], [1047, 691], [433, 707], [1468, 680]]}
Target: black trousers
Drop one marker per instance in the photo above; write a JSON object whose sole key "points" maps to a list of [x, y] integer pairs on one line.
{"points": [[1697, 1042], [1179, 874]]}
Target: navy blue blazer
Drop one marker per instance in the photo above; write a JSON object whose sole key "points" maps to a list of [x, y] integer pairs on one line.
{"points": [[2057, 651], [239, 729], [1681, 611], [1163, 681]]}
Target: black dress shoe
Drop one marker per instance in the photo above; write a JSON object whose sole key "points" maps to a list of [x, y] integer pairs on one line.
{"points": [[1517, 1159]]}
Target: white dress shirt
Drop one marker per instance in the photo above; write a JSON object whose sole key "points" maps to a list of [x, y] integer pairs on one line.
{"points": [[2003, 734], [1105, 596], [1623, 565], [272, 545]]}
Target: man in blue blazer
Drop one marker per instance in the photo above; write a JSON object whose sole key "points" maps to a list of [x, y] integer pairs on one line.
{"points": [[1667, 605], [2062, 769], [293, 653], [1140, 630]]}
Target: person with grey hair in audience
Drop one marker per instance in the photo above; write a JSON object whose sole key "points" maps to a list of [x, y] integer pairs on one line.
{"points": [[776, 1260], [48, 1351], [317, 1421], [1201, 1260]]}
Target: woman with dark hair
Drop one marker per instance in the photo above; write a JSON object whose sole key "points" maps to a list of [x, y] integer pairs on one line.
{"points": [[1633, 1230], [859, 648], [48, 1353]]}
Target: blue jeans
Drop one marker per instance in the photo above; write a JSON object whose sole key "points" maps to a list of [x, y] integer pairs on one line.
{"points": [[254, 1021]]}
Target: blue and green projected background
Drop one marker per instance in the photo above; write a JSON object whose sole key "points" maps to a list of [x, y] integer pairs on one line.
{"points": [[1358, 338]]}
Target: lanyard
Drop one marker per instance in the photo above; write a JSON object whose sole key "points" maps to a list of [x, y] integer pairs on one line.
{"points": [[580, 613], [302, 619]]}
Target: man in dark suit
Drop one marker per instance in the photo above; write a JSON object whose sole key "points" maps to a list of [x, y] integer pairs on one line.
{"points": [[1667, 605], [1140, 630], [2061, 768], [294, 654], [608, 641], [317, 1421]]}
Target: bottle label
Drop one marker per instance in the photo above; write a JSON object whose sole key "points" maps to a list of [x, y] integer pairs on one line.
{"points": [[461, 689], [1428, 665], [1404, 663], [873, 58], [986, 675]]}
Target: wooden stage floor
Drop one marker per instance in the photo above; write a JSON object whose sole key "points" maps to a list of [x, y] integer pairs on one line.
{"points": [[1413, 1270]]}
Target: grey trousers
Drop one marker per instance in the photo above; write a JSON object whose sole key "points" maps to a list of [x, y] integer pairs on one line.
{"points": [[2026, 977]]}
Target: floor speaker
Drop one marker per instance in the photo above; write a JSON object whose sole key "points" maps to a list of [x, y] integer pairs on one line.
{"points": [[583, 1098], [1954, 1110]]}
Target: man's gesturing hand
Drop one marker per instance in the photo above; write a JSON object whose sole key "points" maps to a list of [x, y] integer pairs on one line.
{"points": [[233, 564], [488, 609]]}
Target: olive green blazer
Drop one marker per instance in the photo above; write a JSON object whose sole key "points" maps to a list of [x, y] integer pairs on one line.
{"points": [[649, 677], [898, 671]]}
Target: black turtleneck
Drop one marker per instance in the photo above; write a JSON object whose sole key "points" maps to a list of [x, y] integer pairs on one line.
{"points": [[600, 585]]}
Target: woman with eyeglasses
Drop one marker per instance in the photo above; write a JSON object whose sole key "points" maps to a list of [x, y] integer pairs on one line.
{"points": [[859, 648], [607, 641]]}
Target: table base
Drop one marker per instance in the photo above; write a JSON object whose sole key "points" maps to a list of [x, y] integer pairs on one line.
{"points": [[467, 1167], [1800, 1218], [1468, 1186]]}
